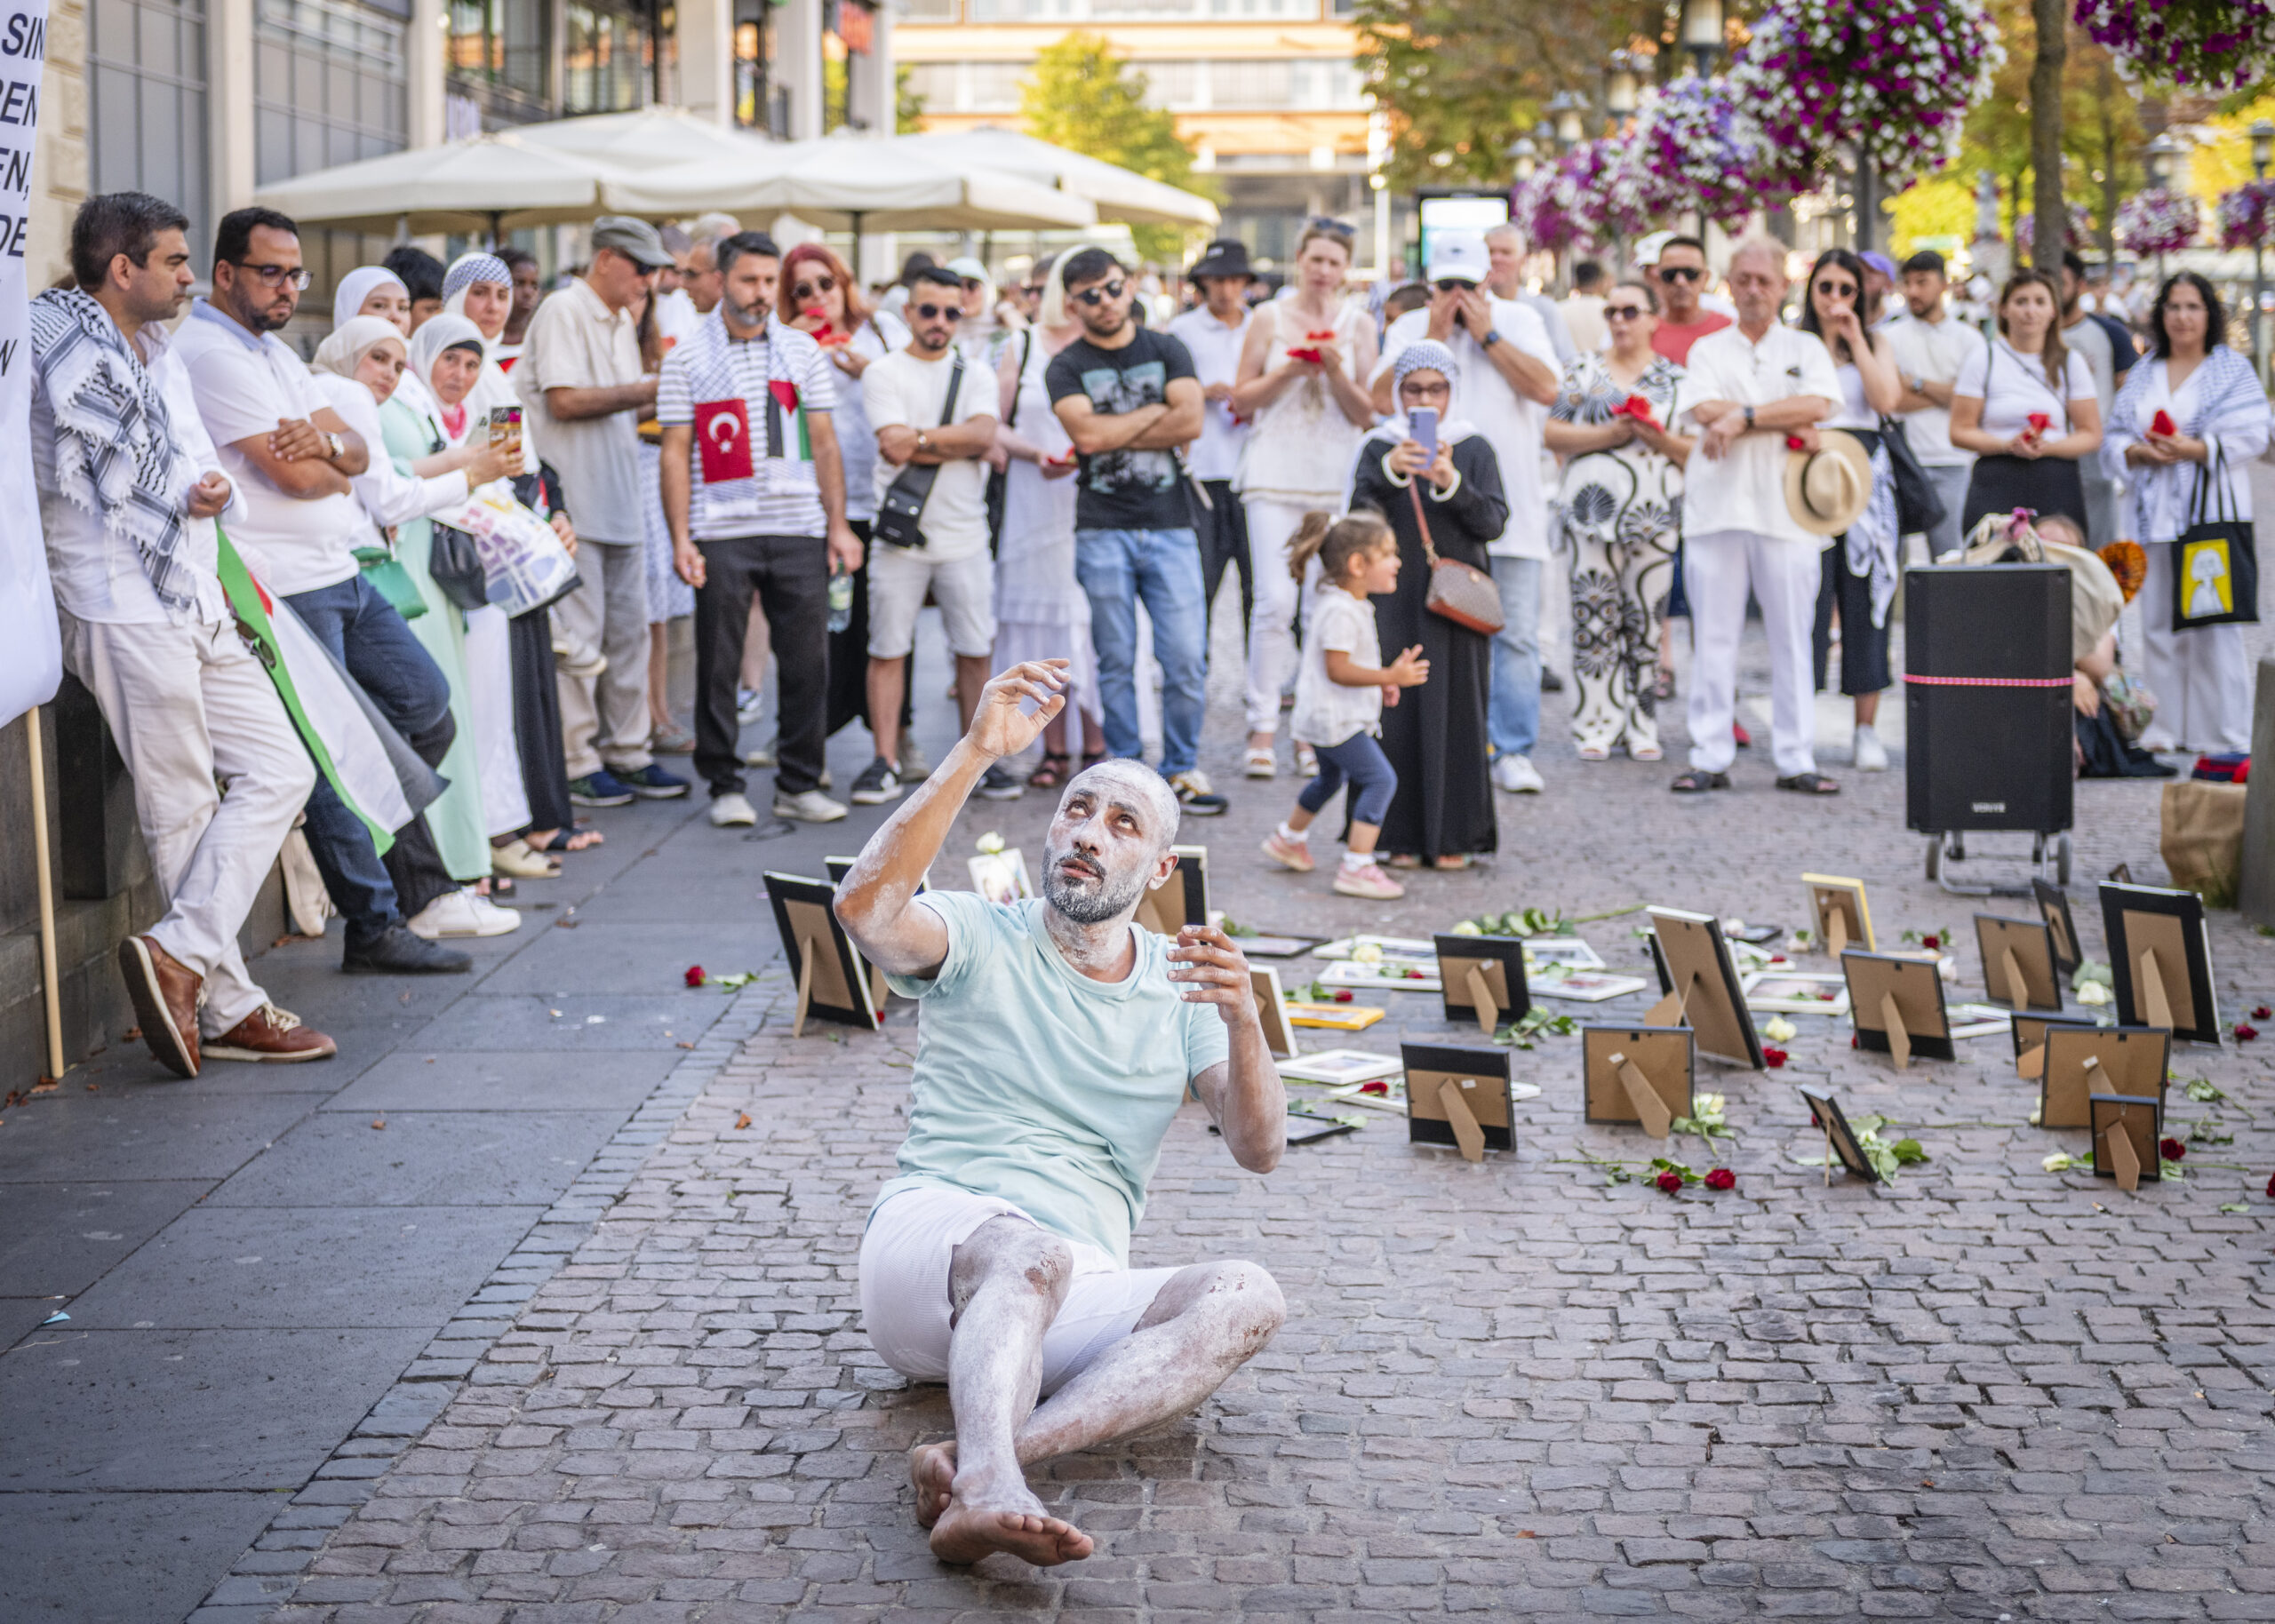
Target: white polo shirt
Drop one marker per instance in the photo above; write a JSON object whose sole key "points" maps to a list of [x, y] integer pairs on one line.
{"points": [[244, 384], [1745, 488], [1215, 351], [1934, 351]]}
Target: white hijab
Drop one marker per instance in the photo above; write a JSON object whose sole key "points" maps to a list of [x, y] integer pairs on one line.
{"points": [[356, 286], [440, 333], [492, 388]]}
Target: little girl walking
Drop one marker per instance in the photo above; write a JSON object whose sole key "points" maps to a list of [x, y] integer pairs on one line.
{"points": [[1340, 692]]}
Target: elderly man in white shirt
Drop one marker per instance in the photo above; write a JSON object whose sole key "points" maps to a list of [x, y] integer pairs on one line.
{"points": [[148, 628], [1508, 381], [1752, 385]]}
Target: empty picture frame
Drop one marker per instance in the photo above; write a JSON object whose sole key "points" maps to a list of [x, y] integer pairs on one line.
{"points": [[2053, 908], [1897, 1004], [1482, 979], [2127, 1129], [828, 973], [1641, 1074], [1183, 898], [1702, 987], [1459, 1096], [1272, 1010], [2084, 1061], [1840, 1139], [2030, 1039], [2018, 965], [1838, 913], [2162, 958]]}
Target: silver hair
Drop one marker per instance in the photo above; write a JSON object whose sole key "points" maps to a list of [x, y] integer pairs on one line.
{"points": [[1752, 246]]}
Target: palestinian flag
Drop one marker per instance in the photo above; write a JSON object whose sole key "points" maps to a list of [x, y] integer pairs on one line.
{"points": [[782, 396]]}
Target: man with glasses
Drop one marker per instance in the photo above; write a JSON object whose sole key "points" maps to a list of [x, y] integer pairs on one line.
{"points": [[1683, 321], [1129, 399], [297, 523], [582, 383], [1213, 332]]}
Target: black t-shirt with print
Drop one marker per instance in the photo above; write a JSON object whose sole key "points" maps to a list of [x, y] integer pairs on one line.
{"points": [[1125, 490]]}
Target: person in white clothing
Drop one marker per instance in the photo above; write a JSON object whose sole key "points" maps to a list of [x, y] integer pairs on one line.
{"points": [[1752, 385], [1215, 332], [1301, 387], [1930, 347], [148, 628], [1508, 380]]}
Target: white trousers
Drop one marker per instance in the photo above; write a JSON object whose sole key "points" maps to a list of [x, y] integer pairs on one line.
{"points": [[1717, 570], [1272, 651], [187, 705], [489, 696], [2201, 679]]}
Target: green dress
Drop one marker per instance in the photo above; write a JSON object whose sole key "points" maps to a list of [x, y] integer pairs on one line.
{"points": [[456, 818]]}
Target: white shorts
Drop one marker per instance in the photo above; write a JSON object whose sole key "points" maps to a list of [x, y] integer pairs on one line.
{"points": [[905, 1257], [964, 589]]}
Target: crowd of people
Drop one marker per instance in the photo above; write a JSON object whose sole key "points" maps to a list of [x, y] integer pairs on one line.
{"points": [[709, 427]]}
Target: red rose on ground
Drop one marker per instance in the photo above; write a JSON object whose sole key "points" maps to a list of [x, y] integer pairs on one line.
{"points": [[1721, 1178], [1931, 942], [1378, 1086], [2271, 1189], [1343, 995], [1852, 1043], [1777, 958], [2171, 1150], [695, 975], [2245, 1034], [1670, 1182], [1773, 1058], [2261, 1013]]}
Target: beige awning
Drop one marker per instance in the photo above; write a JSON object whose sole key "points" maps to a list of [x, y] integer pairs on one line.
{"points": [[1119, 194], [492, 184]]}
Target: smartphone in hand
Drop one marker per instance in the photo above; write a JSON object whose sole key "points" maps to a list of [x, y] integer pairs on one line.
{"points": [[1423, 423], [505, 426]]}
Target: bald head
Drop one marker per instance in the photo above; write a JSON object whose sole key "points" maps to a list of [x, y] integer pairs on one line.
{"points": [[1126, 782], [1110, 840]]}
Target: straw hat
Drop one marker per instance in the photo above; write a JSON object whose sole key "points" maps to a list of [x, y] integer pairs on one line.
{"points": [[1826, 489]]}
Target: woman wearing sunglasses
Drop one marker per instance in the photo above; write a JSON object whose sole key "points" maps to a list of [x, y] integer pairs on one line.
{"points": [[1860, 567], [1622, 505], [1300, 384], [2025, 406]]}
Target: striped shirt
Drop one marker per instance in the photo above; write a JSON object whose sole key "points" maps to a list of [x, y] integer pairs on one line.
{"points": [[783, 498]]}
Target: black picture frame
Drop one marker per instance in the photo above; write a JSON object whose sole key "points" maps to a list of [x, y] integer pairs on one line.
{"points": [[2201, 1022], [1718, 1014], [1507, 953], [1825, 1114], [2032, 942], [2029, 1028], [837, 986], [1493, 1103], [1183, 898], [2111, 1111], [2053, 908], [1919, 976]]}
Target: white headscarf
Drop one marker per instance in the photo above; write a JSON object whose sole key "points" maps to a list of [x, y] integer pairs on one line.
{"points": [[493, 387], [344, 350], [356, 287], [1424, 356], [437, 334]]}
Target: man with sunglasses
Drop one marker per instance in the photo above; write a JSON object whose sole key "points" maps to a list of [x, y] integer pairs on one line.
{"points": [[1130, 399], [1681, 276], [297, 523]]}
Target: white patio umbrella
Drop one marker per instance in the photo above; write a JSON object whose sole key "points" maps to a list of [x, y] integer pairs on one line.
{"points": [[495, 183], [651, 139], [1119, 194]]}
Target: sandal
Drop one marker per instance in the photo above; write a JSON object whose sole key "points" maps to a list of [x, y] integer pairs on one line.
{"points": [[579, 839], [1051, 774], [1401, 859], [1698, 780], [1093, 758], [1451, 862], [1662, 689], [1594, 752], [1645, 752], [1809, 783], [1259, 762]]}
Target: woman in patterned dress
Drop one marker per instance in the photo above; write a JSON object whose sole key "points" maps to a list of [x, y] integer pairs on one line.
{"points": [[1622, 505]]}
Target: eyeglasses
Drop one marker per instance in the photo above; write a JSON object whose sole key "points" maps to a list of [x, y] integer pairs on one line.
{"points": [[1104, 293], [933, 313], [1625, 313], [1421, 391], [1454, 284], [972, 283], [822, 283], [1680, 273], [277, 275], [1333, 228], [1837, 289], [1030, 290]]}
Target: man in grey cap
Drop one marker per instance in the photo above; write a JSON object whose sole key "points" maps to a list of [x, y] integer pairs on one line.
{"points": [[581, 380]]}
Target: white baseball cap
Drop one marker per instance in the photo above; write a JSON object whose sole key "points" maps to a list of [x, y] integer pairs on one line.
{"points": [[1458, 256]]}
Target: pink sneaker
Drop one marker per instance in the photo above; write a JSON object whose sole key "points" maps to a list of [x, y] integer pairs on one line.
{"points": [[1369, 881], [1289, 854]]}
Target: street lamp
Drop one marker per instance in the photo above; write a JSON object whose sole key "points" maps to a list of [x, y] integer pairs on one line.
{"points": [[1621, 83], [2263, 149], [1702, 32], [1525, 155], [1568, 110], [2162, 151]]}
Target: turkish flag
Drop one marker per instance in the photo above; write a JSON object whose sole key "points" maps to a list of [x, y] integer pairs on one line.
{"points": [[722, 431]]}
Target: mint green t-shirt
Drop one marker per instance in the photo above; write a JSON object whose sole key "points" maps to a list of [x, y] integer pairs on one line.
{"points": [[1039, 1086]]}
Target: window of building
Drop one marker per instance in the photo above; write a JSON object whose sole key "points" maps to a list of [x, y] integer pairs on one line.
{"points": [[147, 117], [328, 86], [498, 49], [614, 59], [930, 11], [1256, 82], [992, 87]]}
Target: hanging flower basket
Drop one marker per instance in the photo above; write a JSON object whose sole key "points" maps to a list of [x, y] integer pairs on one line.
{"points": [[1599, 188], [2213, 43], [2158, 220], [1700, 149], [2247, 216], [2081, 228]]}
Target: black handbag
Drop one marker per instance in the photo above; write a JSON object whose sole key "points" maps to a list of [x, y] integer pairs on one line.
{"points": [[454, 564], [901, 510], [2214, 562], [1918, 506]]}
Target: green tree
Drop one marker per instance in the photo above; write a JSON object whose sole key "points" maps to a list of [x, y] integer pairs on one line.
{"points": [[2099, 122], [1082, 97], [837, 83]]}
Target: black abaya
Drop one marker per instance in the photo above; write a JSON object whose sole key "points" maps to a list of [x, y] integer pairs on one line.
{"points": [[537, 693], [1435, 734]]}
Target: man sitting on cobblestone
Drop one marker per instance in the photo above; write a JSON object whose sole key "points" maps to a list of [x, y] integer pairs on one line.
{"points": [[1053, 1053]]}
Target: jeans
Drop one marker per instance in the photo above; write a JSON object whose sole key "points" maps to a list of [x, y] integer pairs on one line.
{"points": [[1949, 481], [1374, 781], [1512, 714], [790, 576], [385, 658], [1163, 568]]}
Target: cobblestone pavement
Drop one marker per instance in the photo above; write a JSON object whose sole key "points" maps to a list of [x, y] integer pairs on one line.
{"points": [[1987, 1391]]}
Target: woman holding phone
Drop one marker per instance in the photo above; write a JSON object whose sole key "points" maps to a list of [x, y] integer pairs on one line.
{"points": [[1860, 567], [1622, 505], [2024, 405], [2191, 415]]}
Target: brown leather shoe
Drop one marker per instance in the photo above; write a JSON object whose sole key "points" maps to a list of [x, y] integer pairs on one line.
{"points": [[164, 991], [270, 1033]]}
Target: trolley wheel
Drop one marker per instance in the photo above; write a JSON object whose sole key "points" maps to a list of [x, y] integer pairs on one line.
{"points": [[1934, 855], [2062, 860], [1959, 846]]}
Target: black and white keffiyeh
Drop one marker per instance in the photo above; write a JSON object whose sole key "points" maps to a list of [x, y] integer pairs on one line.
{"points": [[114, 445]]}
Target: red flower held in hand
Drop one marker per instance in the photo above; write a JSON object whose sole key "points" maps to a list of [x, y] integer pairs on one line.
{"points": [[1773, 1058], [2261, 1013], [1670, 1182], [1721, 1178], [695, 975], [2171, 1150]]}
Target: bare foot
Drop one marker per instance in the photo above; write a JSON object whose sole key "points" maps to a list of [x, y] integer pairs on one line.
{"points": [[1015, 1522], [932, 1469]]}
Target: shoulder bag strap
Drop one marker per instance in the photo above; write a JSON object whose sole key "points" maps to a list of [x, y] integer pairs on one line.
{"points": [[955, 384], [1422, 523], [1026, 354]]}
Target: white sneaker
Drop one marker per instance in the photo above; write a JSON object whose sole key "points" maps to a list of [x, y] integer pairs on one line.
{"points": [[1516, 775], [813, 807], [732, 811], [913, 766], [462, 913], [1869, 754]]}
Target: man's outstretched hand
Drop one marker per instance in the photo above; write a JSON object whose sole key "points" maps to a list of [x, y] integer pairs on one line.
{"points": [[1209, 968], [999, 728]]}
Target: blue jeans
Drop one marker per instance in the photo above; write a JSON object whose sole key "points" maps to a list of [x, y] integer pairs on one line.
{"points": [[1374, 781], [1117, 568], [388, 662], [1512, 715]]}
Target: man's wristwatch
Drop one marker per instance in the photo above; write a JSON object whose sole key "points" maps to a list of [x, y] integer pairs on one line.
{"points": [[335, 447], [1488, 339], [1749, 416], [924, 443], [1918, 384]]}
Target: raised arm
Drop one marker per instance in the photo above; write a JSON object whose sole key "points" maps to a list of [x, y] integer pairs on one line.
{"points": [[876, 900]]}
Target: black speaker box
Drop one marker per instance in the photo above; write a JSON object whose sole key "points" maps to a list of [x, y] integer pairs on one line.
{"points": [[1983, 754]]}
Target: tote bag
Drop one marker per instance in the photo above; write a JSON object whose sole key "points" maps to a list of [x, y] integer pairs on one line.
{"points": [[2214, 564]]}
